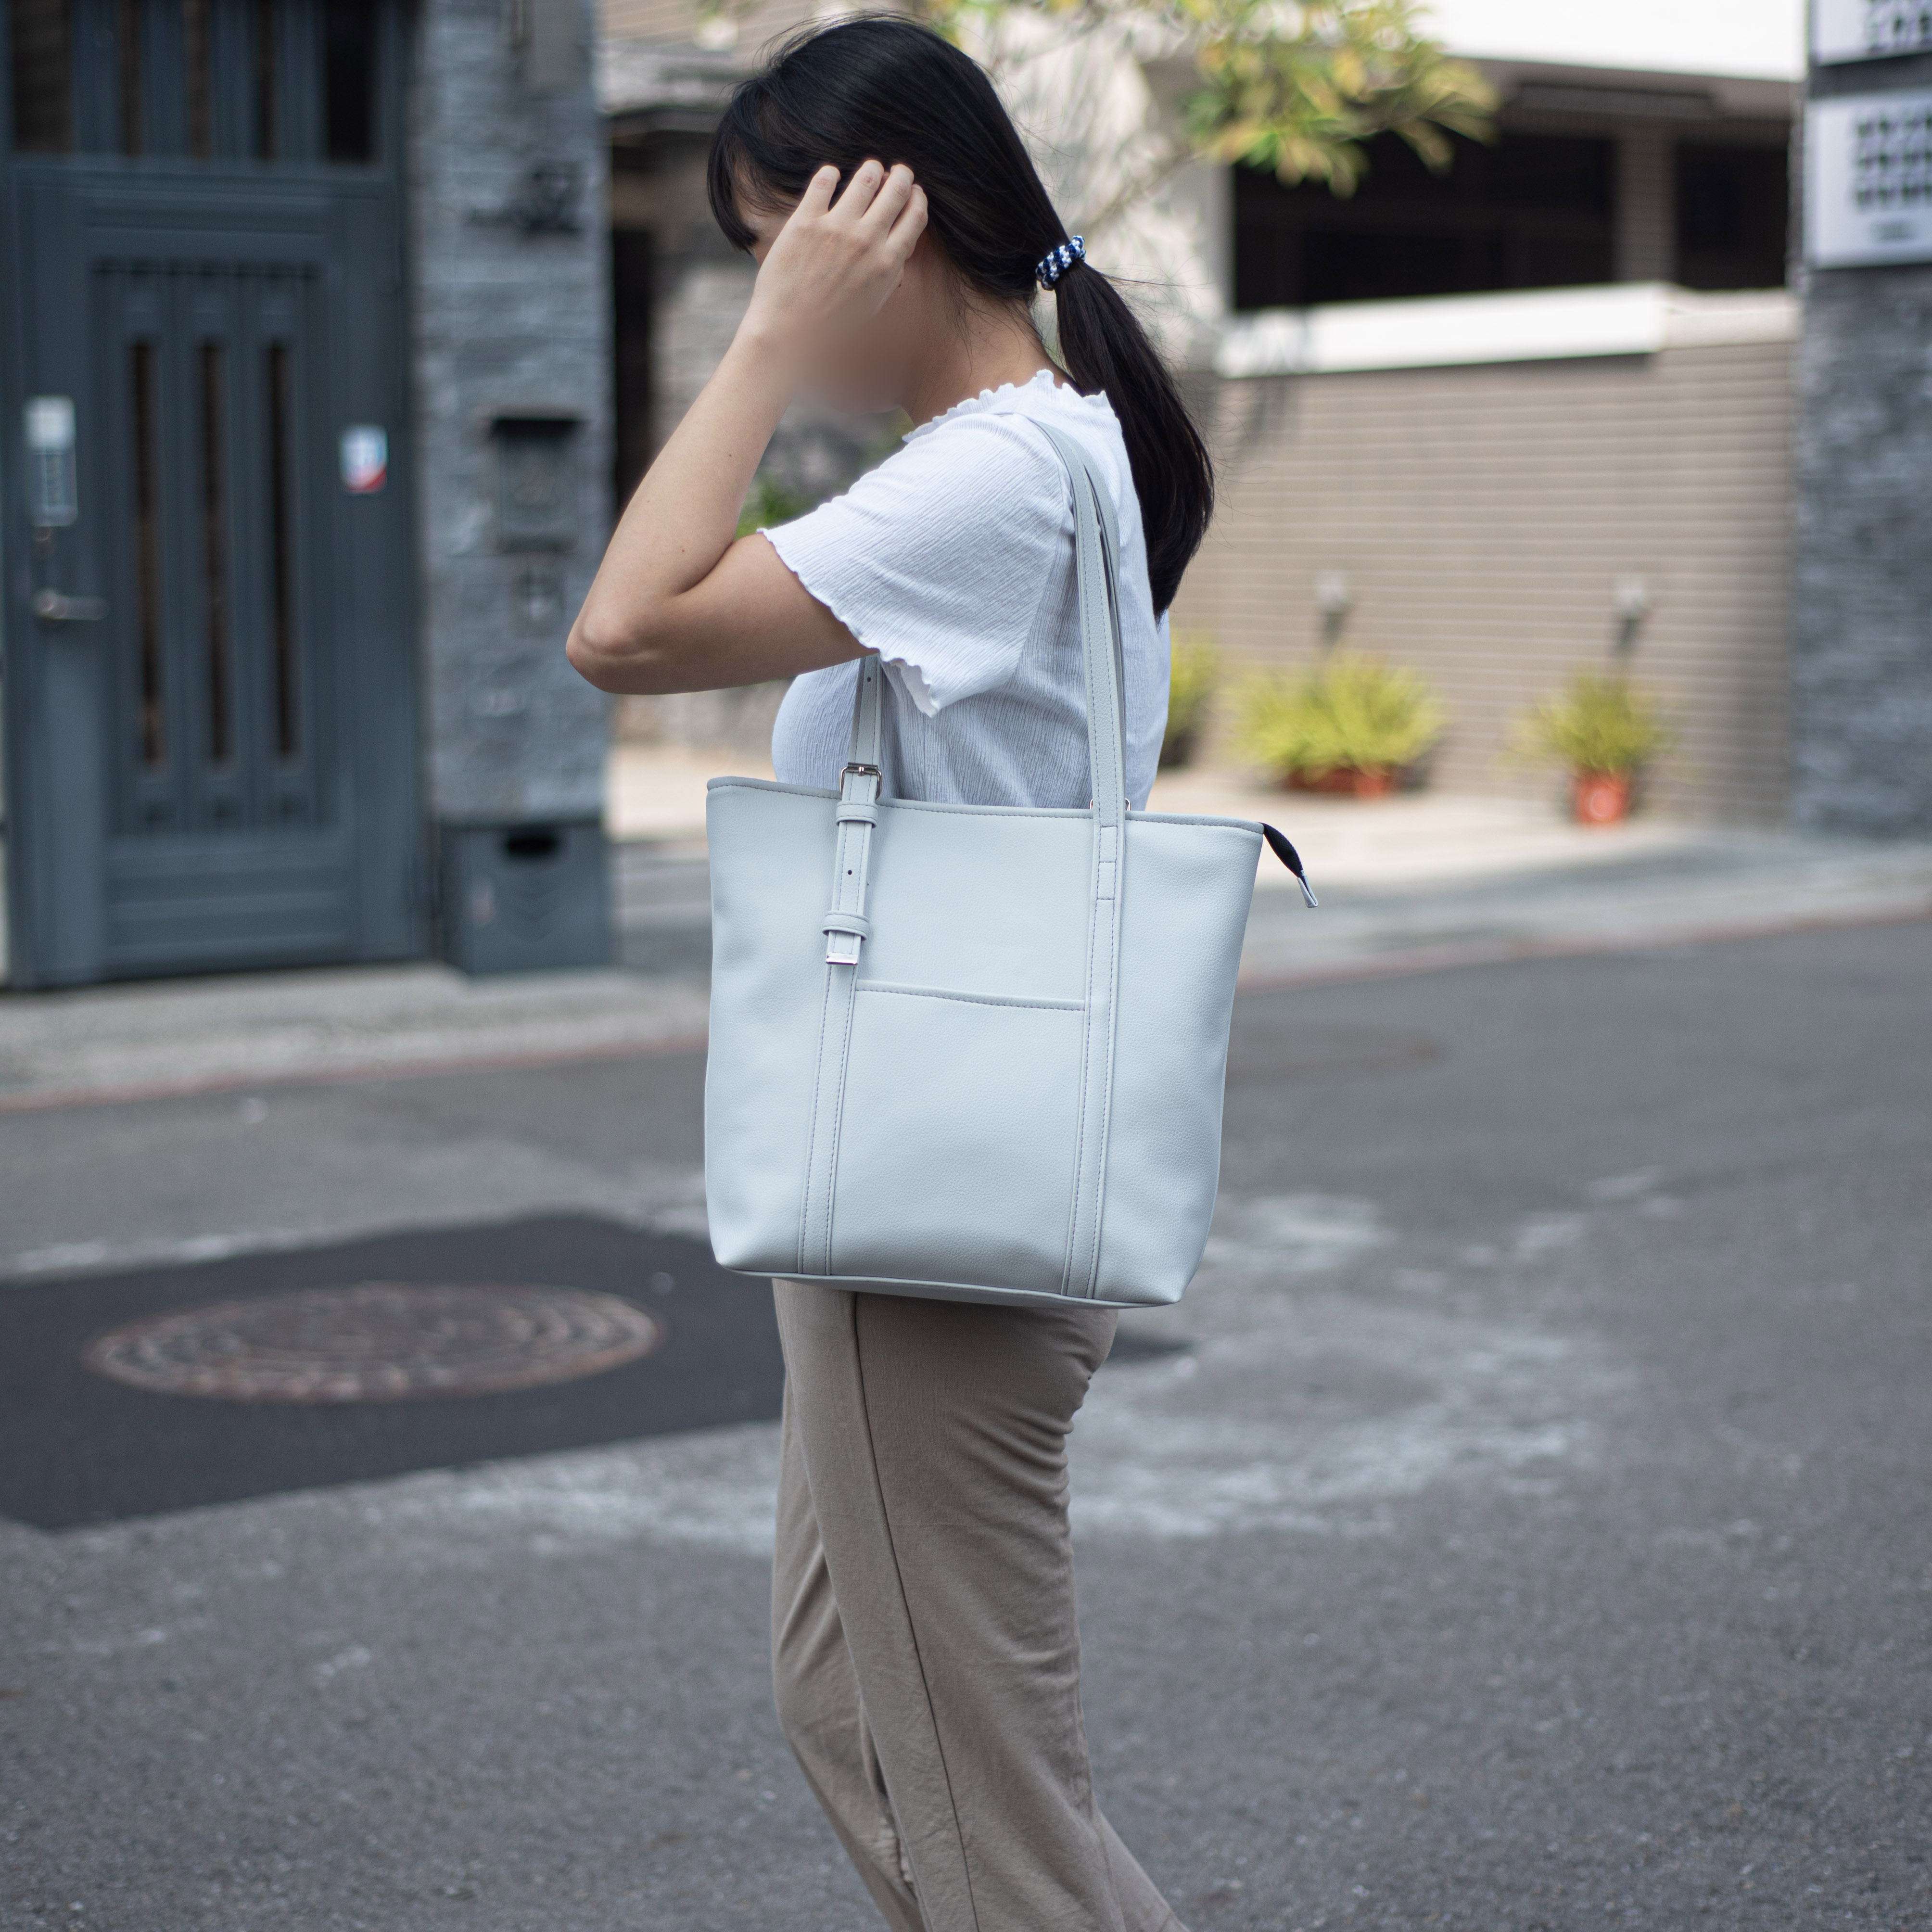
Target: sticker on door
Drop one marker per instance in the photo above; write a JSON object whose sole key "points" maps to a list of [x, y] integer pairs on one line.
{"points": [[365, 459]]}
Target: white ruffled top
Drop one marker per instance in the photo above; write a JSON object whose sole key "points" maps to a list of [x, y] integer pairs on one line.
{"points": [[953, 560]]}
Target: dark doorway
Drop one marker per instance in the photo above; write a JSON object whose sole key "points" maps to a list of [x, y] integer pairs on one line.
{"points": [[633, 263], [1534, 211], [210, 684]]}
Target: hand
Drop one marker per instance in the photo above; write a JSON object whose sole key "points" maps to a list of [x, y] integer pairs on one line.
{"points": [[834, 264]]}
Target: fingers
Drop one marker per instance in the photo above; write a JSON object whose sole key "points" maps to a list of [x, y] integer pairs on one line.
{"points": [[910, 222], [859, 191], [894, 191], [818, 195], [875, 194]]}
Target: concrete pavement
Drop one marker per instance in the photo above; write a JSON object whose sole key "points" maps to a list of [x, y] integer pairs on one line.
{"points": [[1526, 1532]]}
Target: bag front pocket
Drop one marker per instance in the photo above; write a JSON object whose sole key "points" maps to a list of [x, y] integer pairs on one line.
{"points": [[957, 1138]]}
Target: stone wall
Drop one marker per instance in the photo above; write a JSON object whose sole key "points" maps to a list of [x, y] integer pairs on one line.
{"points": [[510, 308], [1862, 609]]}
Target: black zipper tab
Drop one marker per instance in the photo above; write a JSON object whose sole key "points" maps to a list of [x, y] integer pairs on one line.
{"points": [[1278, 845]]}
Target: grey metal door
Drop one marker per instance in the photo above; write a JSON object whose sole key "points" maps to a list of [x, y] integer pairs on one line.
{"points": [[210, 679]]}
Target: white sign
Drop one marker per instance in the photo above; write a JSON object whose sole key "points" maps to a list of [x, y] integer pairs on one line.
{"points": [[365, 459], [1850, 30], [1868, 180]]}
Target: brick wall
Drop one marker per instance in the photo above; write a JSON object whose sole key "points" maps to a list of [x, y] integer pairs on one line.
{"points": [[1482, 515]]}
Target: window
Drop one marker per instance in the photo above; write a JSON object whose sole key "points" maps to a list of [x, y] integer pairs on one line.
{"points": [[43, 32], [1534, 211], [1733, 208], [348, 80]]}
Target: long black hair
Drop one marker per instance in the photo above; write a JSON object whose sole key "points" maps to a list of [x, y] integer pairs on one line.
{"points": [[880, 87]]}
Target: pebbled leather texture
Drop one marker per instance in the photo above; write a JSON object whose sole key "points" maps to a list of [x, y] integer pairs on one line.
{"points": [[1013, 1092]]}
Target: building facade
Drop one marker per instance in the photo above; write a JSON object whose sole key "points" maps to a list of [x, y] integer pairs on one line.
{"points": [[305, 332], [1526, 417], [333, 330]]}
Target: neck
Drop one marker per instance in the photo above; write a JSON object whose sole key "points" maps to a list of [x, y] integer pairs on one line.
{"points": [[980, 351]]}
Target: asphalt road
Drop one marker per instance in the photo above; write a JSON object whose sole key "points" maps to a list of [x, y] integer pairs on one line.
{"points": [[1532, 1533]]}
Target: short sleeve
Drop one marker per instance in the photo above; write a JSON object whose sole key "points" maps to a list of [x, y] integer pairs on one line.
{"points": [[939, 558]]}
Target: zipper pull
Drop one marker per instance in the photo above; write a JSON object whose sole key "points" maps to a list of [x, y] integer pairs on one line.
{"points": [[1280, 846]]}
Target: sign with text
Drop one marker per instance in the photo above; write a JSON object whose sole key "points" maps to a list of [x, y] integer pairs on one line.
{"points": [[1850, 30], [1868, 180]]}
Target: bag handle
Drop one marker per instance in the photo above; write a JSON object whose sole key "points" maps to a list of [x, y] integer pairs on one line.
{"points": [[1096, 549], [1097, 546], [1096, 554]]}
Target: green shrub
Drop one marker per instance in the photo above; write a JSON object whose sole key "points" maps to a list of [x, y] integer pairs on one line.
{"points": [[768, 501], [1599, 725], [1349, 712], [1194, 666]]}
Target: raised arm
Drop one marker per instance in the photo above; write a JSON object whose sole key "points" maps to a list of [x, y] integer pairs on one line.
{"points": [[680, 603]]}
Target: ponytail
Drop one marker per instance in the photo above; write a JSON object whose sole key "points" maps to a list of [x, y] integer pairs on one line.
{"points": [[1105, 347], [881, 87]]}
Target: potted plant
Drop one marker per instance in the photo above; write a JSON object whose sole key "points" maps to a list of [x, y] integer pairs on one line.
{"points": [[1347, 725], [1602, 730], [1194, 666]]}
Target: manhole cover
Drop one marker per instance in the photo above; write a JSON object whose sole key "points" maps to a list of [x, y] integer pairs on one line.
{"points": [[377, 1341]]}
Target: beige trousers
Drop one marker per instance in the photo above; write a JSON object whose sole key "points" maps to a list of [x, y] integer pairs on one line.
{"points": [[925, 1654]]}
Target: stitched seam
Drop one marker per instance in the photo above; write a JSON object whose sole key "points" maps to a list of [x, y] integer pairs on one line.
{"points": [[1068, 1255], [950, 807], [905, 1605], [769, 784], [839, 1122], [1100, 911], [811, 1127], [1157, 821], [840, 843], [943, 806], [1106, 1097], [971, 1292], [972, 999], [1107, 608], [1108, 914], [1080, 1125]]}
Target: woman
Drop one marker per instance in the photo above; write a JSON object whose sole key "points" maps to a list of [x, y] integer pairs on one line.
{"points": [[925, 1658]]}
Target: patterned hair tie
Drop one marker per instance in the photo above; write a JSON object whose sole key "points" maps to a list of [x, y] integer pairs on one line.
{"points": [[1056, 261]]}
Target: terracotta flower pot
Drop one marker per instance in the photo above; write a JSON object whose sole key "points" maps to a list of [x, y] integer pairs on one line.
{"points": [[1346, 780], [1600, 798]]}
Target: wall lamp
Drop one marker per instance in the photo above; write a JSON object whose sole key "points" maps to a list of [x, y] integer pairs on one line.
{"points": [[1630, 598], [1333, 599]]}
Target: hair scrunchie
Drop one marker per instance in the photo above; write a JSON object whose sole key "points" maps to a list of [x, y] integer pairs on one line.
{"points": [[1056, 261]]}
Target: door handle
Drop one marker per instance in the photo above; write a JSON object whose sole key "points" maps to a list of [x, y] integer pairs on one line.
{"points": [[55, 607]]}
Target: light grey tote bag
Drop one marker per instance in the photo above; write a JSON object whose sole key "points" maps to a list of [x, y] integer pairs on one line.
{"points": [[991, 1071]]}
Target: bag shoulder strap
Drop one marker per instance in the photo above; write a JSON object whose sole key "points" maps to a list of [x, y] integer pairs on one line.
{"points": [[1096, 550], [1096, 554]]}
